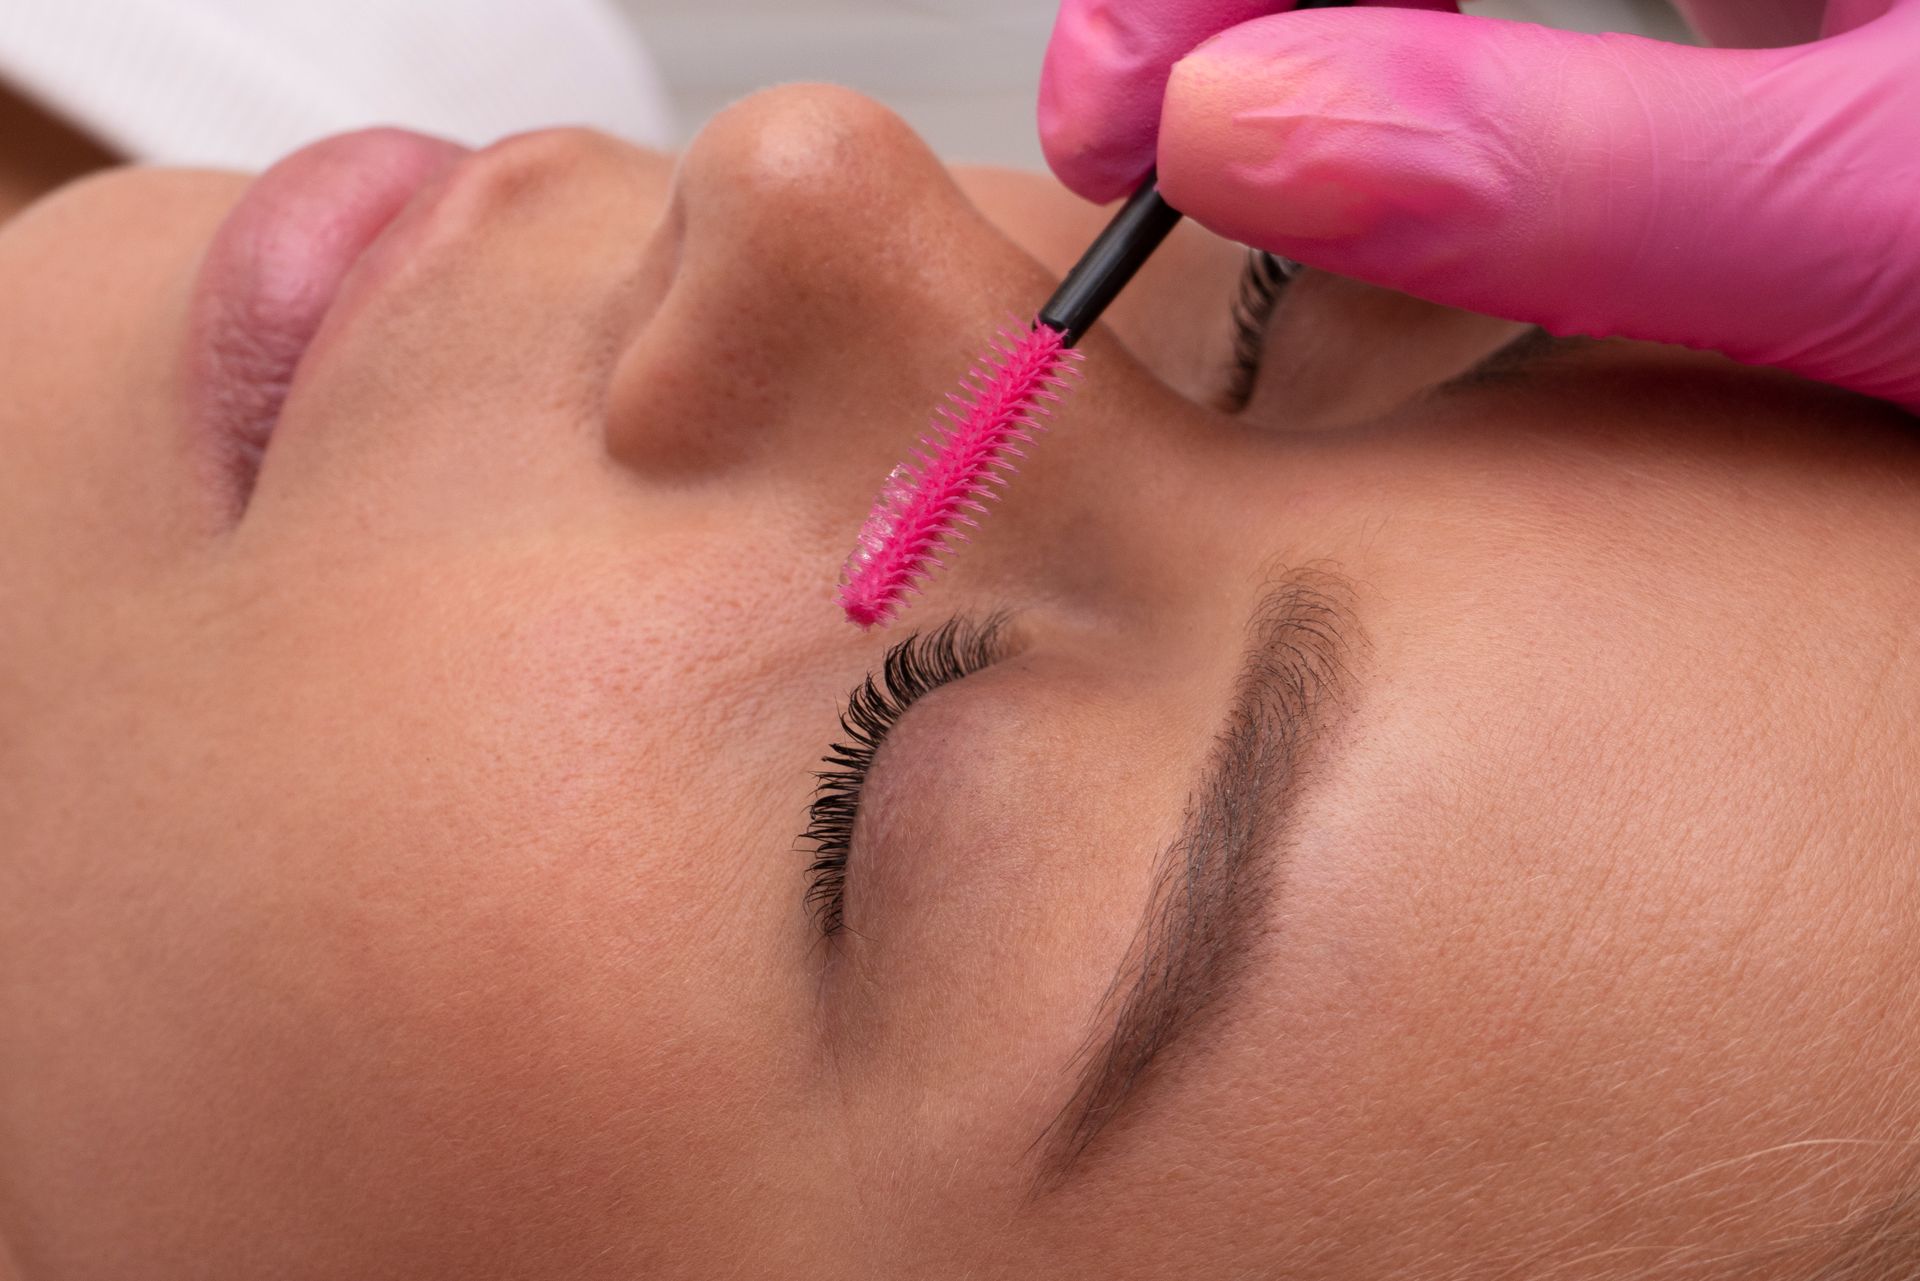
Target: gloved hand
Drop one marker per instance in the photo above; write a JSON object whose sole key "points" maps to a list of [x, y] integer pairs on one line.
{"points": [[1760, 202]]}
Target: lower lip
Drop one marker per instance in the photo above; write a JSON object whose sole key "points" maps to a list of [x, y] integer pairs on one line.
{"points": [[275, 267]]}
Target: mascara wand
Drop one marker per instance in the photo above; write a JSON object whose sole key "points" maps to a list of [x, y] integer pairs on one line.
{"points": [[1109, 263], [965, 454], [968, 451]]}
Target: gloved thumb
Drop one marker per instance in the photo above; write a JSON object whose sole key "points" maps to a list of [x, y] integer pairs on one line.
{"points": [[1764, 203]]}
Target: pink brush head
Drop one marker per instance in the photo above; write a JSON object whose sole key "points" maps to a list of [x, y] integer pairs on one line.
{"points": [[965, 453], [927, 500]]}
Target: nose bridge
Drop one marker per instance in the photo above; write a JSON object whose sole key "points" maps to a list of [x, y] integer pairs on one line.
{"points": [[828, 272]]}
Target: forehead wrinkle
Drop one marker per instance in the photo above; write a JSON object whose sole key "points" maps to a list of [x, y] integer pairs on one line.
{"points": [[1213, 882]]}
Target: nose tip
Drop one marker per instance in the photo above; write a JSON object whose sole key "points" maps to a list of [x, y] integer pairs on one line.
{"points": [[818, 191], [813, 153]]}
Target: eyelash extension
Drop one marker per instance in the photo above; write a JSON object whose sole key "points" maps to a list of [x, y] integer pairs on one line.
{"points": [[912, 669], [1265, 278]]}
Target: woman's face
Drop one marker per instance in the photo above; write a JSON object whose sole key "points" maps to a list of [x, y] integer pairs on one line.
{"points": [[1476, 840]]}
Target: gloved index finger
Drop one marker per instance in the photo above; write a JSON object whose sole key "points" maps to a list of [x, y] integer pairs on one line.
{"points": [[1106, 72]]}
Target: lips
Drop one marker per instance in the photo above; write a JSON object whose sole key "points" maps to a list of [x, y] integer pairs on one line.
{"points": [[275, 267]]}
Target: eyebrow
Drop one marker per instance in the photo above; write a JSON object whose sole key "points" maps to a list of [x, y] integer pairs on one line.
{"points": [[1213, 883]]}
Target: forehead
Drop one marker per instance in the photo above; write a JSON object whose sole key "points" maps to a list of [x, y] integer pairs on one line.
{"points": [[1625, 531], [1643, 666], [1610, 861]]}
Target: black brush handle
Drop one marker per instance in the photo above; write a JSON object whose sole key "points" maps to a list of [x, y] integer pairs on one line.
{"points": [[1118, 251]]}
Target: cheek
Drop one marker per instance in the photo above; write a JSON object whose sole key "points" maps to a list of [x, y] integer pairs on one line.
{"points": [[430, 914]]}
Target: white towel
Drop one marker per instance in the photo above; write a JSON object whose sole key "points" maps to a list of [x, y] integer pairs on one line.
{"points": [[239, 83]]}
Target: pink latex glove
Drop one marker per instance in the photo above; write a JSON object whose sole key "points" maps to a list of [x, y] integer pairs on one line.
{"points": [[1760, 202]]}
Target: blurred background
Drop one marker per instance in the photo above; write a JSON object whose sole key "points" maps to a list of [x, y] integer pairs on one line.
{"points": [[962, 72], [239, 83]]}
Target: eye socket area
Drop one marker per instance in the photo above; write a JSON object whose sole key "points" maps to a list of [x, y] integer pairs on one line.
{"points": [[1336, 352], [914, 667]]}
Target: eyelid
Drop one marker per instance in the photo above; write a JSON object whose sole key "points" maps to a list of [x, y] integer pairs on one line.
{"points": [[1262, 283], [911, 669]]}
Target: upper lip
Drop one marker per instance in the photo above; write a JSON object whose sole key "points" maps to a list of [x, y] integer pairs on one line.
{"points": [[274, 269]]}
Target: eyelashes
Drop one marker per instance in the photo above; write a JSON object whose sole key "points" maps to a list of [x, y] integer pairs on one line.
{"points": [[1263, 281], [915, 667]]}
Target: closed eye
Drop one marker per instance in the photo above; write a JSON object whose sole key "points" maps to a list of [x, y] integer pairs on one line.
{"points": [[912, 669], [1262, 282]]}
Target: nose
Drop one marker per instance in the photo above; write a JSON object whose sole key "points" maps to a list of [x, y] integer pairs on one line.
{"points": [[828, 273]]}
